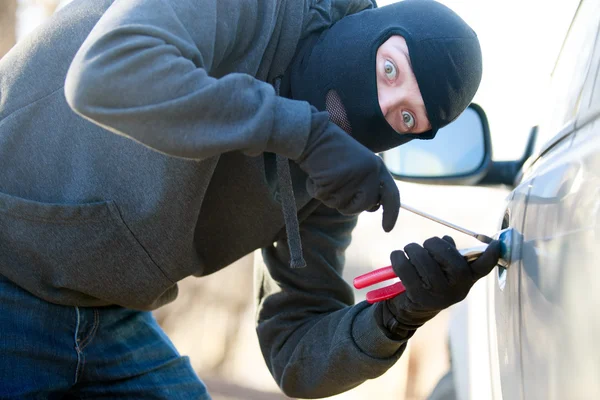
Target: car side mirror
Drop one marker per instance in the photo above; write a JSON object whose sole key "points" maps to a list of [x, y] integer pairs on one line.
{"points": [[510, 172], [460, 153]]}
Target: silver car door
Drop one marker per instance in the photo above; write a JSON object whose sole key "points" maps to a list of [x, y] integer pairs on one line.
{"points": [[559, 290]]}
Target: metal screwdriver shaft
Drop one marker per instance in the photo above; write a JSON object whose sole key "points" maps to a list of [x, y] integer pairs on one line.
{"points": [[478, 236]]}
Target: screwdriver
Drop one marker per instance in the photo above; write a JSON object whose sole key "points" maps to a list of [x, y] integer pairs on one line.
{"points": [[505, 237], [481, 237]]}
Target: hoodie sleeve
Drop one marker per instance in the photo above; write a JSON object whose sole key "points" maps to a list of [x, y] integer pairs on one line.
{"points": [[323, 13], [315, 341], [163, 72]]}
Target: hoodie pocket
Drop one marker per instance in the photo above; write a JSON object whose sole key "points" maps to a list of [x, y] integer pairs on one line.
{"points": [[80, 254]]}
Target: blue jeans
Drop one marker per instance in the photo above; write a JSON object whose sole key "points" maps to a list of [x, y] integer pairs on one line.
{"points": [[48, 351]]}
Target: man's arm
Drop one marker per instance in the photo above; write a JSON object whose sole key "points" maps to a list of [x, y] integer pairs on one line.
{"points": [[316, 343], [167, 74], [147, 71]]}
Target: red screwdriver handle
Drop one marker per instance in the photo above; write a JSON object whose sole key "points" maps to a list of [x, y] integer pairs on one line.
{"points": [[376, 276]]}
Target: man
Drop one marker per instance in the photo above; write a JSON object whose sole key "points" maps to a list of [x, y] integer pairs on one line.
{"points": [[143, 141]]}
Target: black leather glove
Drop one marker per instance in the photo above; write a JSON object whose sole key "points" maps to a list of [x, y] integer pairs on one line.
{"points": [[436, 276], [345, 175]]}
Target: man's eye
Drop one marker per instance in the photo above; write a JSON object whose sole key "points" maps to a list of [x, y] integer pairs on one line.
{"points": [[409, 120], [390, 70]]}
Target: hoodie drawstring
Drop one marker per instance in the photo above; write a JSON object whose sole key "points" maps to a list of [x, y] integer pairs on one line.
{"points": [[290, 214], [288, 205]]}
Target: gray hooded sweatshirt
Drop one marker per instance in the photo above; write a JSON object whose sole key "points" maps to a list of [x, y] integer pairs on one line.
{"points": [[137, 142]]}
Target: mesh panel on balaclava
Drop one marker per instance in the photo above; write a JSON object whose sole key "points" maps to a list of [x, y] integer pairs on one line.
{"points": [[336, 110], [336, 70]]}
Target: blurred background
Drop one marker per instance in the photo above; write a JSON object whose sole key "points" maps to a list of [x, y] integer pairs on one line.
{"points": [[212, 321]]}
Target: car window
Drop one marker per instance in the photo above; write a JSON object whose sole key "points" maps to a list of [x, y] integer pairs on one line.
{"points": [[594, 80], [570, 71]]}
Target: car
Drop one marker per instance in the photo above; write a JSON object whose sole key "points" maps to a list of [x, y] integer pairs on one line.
{"points": [[530, 330]]}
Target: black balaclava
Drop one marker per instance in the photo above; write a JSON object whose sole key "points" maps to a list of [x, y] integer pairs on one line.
{"points": [[335, 70]]}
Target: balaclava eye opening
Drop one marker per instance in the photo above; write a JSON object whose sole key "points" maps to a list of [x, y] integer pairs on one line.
{"points": [[335, 70]]}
